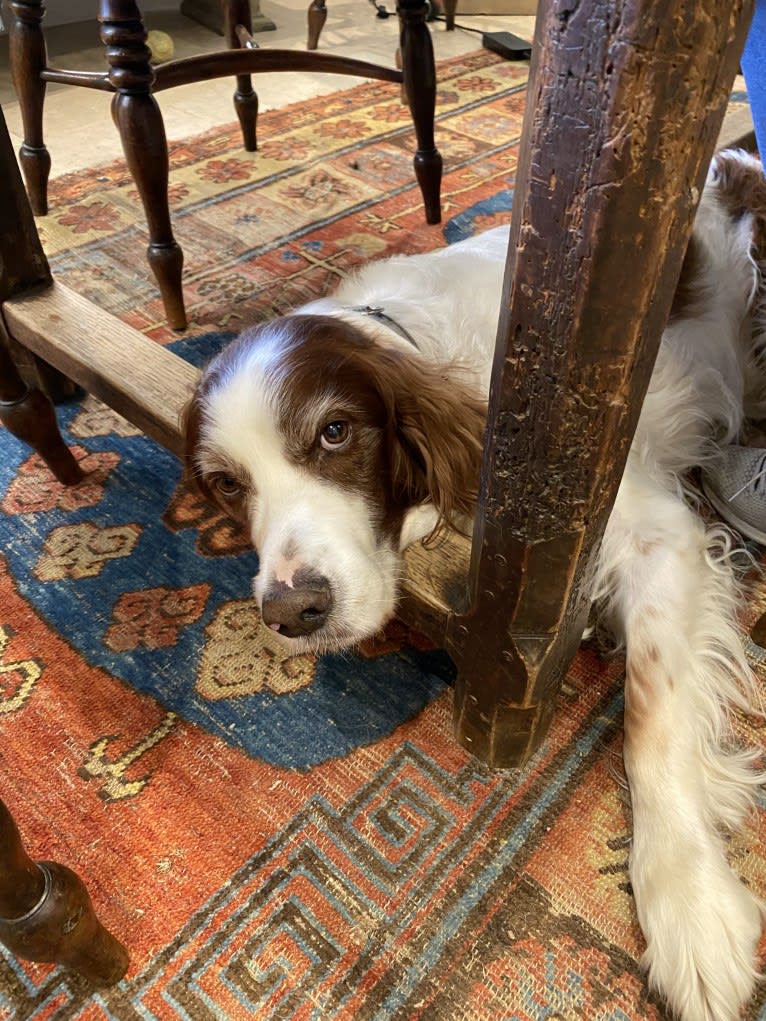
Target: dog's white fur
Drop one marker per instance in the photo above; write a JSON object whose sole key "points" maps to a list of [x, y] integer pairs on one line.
{"points": [[664, 581]]}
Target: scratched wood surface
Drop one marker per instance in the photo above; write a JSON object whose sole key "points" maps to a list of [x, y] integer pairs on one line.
{"points": [[624, 108], [143, 381]]}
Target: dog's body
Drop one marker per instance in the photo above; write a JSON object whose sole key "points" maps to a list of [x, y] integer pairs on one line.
{"points": [[343, 433]]}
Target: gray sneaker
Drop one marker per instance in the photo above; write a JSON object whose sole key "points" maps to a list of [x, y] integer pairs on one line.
{"points": [[735, 484]]}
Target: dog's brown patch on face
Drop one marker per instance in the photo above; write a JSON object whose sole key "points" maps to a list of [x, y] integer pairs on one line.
{"points": [[328, 379], [414, 432], [218, 488], [212, 483], [742, 190]]}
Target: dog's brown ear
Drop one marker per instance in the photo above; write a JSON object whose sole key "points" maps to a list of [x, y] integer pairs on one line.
{"points": [[436, 454], [191, 425]]}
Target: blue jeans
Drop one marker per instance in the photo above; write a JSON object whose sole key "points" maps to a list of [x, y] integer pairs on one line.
{"points": [[754, 70]]}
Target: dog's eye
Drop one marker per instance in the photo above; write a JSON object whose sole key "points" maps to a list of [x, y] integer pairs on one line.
{"points": [[227, 486], [335, 434]]}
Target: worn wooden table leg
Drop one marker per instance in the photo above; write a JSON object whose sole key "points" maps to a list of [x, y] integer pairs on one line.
{"points": [[28, 58], [317, 16], [47, 915], [612, 164], [417, 57], [142, 133], [237, 12]]}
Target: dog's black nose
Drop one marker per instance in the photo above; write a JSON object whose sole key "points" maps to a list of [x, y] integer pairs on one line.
{"points": [[298, 609]]}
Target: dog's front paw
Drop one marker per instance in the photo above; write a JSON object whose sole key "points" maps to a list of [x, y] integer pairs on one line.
{"points": [[702, 927]]}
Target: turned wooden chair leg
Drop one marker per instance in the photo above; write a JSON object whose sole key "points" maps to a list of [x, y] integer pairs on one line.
{"points": [[237, 14], [142, 133], [28, 414], [398, 62], [417, 56], [28, 58], [317, 16], [47, 915]]}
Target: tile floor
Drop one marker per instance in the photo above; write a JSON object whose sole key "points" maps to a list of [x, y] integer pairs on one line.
{"points": [[78, 127]]}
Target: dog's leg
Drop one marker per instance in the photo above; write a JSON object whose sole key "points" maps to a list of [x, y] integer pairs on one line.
{"points": [[675, 606]]}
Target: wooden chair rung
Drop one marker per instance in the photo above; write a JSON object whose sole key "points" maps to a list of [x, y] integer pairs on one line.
{"points": [[245, 38]]}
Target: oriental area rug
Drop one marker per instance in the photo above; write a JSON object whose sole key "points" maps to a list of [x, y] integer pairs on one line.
{"points": [[272, 837]]}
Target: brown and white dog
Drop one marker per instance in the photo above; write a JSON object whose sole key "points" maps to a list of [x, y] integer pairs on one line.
{"points": [[353, 427]]}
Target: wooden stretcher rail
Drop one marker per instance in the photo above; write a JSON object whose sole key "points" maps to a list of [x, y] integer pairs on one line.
{"points": [[435, 584], [207, 66], [141, 380], [203, 67]]}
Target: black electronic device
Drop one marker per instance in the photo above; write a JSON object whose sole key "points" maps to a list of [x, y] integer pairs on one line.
{"points": [[508, 45]]}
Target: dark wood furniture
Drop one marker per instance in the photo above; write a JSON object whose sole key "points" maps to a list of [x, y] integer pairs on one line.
{"points": [[47, 915], [209, 14], [624, 107], [134, 80]]}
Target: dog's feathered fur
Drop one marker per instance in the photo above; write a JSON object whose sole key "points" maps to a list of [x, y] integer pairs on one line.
{"points": [[340, 442]]}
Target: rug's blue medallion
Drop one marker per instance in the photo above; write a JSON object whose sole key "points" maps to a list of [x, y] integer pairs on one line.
{"points": [[490, 212], [351, 699]]}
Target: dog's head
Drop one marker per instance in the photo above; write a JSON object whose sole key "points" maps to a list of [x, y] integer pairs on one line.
{"points": [[336, 451]]}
